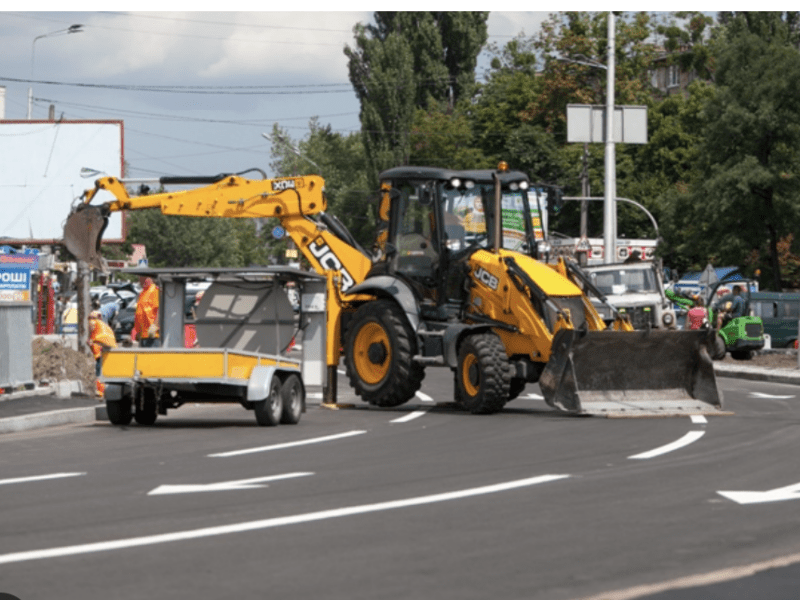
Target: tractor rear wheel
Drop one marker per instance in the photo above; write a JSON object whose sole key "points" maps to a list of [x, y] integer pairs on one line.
{"points": [[483, 376], [379, 347]]}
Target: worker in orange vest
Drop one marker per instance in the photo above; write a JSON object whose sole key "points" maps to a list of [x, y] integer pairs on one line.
{"points": [[101, 339], [146, 319]]}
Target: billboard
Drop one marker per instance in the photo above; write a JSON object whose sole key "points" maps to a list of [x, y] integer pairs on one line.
{"points": [[40, 175]]}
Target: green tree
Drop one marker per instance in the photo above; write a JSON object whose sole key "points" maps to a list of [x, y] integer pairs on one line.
{"points": [[341, 160], [747, 189], [175, 241], [406, 61]]}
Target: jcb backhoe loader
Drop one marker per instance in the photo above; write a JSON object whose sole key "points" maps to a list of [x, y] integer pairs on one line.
{"points": [[454, 281]]}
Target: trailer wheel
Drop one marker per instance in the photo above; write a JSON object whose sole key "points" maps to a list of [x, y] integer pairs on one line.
{"points": [[484, 374], [120, 412], [378, 355], [146, 407], [292, 397], [268, 411]]}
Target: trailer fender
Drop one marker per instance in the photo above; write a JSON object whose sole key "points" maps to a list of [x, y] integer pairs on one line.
{"points": [[393, 288], [259, 382]]}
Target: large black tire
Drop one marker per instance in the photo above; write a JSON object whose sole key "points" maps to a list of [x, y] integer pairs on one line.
{"points": [[483, 376], [120, 412], [718, 349], [517, 386], [379, 347], [269, 411], [292, 397], [146, 407]]}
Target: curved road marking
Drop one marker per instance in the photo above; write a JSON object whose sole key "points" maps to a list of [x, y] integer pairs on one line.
{"points": [[689, 438], [39, 478], [326, 438], [409, 417], [194, 534]]}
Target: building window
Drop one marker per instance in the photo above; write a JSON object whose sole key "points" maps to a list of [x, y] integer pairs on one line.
{"points": [[672, 78]]}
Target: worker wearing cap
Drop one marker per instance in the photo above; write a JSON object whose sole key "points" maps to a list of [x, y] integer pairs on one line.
{"points": [[146, 319], [101, 339]]}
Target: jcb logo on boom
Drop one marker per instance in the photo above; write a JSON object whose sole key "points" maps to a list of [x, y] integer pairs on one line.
{"points": [[330, 262], [487, 278], [284, 184]]}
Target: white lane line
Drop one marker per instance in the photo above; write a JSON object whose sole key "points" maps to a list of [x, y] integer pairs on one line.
{"points": [[222, 486], [423, 397], [39, 478], [340, 372], [534, 397], [699, 420], [193, 534], [770, 396], [327, 438], [689, 438], [409, 417]]}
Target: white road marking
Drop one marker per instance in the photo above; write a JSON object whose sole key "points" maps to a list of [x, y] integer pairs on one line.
{"points": [[534, 397], [327, 438], [423, 397], [39, 478], [689, 438], [770, 396], [790, 492], [340, 372], [315, 395], [699, 419], [409, 417], [193, 534], [241, 484]]}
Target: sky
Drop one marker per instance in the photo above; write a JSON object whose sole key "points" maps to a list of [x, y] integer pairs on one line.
{"points": [[195, 89]]}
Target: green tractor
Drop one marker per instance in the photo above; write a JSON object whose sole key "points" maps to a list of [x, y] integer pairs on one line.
{"points": [[737, 328]]}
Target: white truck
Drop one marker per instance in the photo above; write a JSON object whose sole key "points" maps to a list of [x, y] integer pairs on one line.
{"points": [[635, 289]]}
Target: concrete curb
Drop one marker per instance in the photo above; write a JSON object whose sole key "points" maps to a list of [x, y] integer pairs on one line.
{"points": [[52, 418], [758, 373]]}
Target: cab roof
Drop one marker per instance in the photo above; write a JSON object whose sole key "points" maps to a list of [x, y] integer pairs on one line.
{"points": [[440, 174]]}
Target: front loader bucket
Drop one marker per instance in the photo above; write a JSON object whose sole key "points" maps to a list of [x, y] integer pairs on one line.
{"points": [[631, 374], [82, 234]]}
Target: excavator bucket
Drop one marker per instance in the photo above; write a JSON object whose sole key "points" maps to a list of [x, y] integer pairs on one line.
{"points": [[82, 234], [631, 374]]}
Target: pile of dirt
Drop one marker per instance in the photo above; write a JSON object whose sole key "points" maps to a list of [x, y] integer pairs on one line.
{"points": [[54, 361]]}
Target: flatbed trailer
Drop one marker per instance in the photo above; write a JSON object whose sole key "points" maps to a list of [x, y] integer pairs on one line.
{"points": [[241, 316]]}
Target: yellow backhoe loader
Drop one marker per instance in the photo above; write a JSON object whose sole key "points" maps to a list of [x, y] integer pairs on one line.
{"points": [[453, 280]]}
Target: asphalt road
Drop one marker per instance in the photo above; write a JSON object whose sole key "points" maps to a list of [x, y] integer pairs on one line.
{"points": [[423, 501]]}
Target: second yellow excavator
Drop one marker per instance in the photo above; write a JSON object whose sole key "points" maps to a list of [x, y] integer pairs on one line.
{"points": [[454, 280]]}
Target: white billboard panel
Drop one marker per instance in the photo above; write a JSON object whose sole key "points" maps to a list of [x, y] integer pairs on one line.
{"points": [[587, 124], [40, 175]]}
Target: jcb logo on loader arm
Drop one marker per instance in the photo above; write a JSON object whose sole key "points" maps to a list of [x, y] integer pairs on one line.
{"points": [[487, 278], [330, 262], [283, 184]]}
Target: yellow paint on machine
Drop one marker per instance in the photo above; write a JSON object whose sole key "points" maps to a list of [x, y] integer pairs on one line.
{"points": [[184, 364]]}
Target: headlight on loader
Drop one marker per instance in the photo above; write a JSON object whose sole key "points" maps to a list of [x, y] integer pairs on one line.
{"points": [[668, 319]]}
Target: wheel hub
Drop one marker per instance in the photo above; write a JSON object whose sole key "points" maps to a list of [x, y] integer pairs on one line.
{"points": [[377, 353]]}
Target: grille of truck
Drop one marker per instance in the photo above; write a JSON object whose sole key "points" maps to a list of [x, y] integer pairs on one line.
{"points": [[753, 330]]}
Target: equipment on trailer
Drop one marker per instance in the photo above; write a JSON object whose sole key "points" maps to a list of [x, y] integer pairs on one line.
{"points": [[244, 327]]}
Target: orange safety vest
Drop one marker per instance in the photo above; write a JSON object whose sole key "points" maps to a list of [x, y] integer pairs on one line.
{"points": [[101, 336], [147, 311]]}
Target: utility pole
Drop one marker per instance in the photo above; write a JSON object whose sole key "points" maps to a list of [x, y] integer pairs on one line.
{"points": [[610, 207]]}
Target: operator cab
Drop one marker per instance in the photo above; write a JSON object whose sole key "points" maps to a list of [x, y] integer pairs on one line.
{"points": [[432, 220]]}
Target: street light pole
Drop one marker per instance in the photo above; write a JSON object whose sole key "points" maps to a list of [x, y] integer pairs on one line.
{"points": [[282, 140], [70, 29], [610, 207]]}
